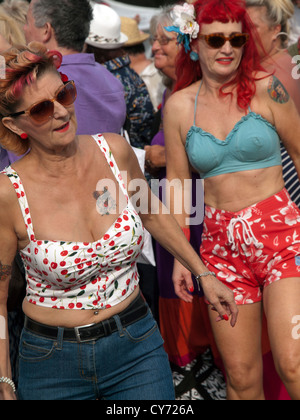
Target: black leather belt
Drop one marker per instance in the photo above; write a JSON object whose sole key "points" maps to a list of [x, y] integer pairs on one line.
{"points": [[137, 310]]}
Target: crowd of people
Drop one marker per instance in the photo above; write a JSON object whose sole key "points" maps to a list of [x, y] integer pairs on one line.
{"points": [[91, 122]]}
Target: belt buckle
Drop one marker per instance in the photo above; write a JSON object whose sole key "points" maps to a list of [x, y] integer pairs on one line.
{"points": [[77, 333]]}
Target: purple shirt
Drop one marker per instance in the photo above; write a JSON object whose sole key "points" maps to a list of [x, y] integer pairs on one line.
{"points": [[100, 104], [6, 158]]}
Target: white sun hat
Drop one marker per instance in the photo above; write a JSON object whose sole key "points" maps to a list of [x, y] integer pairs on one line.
{"points": [[105, 31]]}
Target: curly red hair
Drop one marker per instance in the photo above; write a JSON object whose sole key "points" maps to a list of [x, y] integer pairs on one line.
{"points": [[208, 11]]}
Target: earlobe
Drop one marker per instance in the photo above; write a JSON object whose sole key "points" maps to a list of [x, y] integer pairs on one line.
{"points": [[9, 123], [277, 31]]}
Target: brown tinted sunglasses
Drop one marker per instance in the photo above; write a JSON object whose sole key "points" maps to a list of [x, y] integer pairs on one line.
{"points": [[218, 40], [42, 111]]}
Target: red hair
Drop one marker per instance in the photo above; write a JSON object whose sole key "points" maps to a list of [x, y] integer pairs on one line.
{"points": [[208, 11]]}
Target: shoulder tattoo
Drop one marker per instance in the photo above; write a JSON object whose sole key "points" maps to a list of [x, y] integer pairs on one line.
{"points": [[5, 271], [277, 91]]}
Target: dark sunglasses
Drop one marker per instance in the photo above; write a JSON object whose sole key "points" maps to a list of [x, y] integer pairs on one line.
{"points": [[218, 40], [42, 111]]}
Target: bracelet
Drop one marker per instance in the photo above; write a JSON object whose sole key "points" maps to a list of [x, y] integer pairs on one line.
{"points": [[209, 273], [8, 381]]}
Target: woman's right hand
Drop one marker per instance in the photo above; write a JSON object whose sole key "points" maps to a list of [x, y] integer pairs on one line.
{"points": [[183, 283], [216, 293], [7, 393]]}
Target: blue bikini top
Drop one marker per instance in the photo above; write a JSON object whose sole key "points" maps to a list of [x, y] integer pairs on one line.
{"points": [[252, 144]]}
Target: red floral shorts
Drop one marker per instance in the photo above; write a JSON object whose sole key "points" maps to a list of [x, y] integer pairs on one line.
{"points": [[253, 248]]}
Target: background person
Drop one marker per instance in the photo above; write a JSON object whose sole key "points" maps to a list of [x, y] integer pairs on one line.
{"points": [[106, 42], [12, 19], [271, 19], [144, 66], [63, 25]]}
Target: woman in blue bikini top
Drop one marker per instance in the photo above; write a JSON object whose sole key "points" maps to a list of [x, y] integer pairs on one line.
{"points": [[253, 143], [225, 120]]}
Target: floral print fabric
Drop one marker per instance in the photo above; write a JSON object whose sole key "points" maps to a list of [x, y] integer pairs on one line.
{"points": [[254, 248], [140, 111], [82, 275]]}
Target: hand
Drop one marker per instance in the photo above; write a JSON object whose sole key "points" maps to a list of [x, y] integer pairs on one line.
{"points": [[7, 393], [155, 157], [216, 293], [221, 299], [183, 283]]}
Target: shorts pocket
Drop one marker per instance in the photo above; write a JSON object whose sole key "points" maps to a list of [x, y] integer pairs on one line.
{"points": [[34, 348]]}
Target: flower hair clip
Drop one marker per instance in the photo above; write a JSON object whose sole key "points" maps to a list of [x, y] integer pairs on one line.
{"points": [[185, 25], [64, 77]]}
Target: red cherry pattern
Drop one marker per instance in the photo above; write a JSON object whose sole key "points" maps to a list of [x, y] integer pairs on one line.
{"points": [[82, 275]]}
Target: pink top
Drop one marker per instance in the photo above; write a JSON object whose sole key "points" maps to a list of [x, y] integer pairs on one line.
{"points": [[82, 275]]}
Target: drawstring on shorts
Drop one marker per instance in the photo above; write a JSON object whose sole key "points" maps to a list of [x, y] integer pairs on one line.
{"points": [[248, 235]]}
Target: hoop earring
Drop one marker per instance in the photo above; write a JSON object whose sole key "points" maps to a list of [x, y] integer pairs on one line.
{"points": [[287, 38], [194, 56], [24, 136]]}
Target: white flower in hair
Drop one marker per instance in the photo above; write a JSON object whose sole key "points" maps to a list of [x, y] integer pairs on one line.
{"points": [[184, 19]]}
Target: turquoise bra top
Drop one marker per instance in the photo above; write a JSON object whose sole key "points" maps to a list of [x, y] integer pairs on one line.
{"points": [[252, 144]]}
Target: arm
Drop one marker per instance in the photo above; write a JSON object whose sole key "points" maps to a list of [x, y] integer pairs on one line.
{"points": [[8, 249], [286, 118], [165, 229], [178, 173]]}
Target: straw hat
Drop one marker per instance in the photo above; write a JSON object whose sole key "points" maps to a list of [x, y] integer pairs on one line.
{"points": [[105, 31], [130, 28]]}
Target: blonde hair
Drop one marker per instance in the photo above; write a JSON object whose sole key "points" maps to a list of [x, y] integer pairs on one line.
{"points": [[23, 66], [12, 20], [278, 13]]}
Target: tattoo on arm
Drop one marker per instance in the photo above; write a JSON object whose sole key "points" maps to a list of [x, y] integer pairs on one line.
{"points": [[5, 271], [277, 91]]}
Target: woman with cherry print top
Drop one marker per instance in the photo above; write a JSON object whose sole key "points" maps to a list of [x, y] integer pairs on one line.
{"points": [[65, 206]]}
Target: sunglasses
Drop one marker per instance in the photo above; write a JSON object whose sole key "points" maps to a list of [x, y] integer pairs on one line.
{"points": [[218, 40], [42, 111]]}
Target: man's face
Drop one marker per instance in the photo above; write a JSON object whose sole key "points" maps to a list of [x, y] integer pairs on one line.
{"points": [[32, 33]]}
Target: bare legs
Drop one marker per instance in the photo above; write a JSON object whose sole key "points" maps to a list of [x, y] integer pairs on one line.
{"points": [[240, 347]]}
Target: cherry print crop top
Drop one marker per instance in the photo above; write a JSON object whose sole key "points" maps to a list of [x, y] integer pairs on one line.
{"points": [[252, 144], [81, 275]]}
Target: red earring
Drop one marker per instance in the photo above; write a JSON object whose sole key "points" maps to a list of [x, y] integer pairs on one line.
{"points": [[24, 136]]}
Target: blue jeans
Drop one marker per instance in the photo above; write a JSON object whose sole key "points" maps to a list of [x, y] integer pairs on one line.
{"points": [[130, 364]]}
